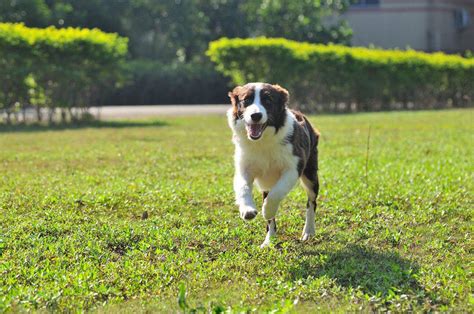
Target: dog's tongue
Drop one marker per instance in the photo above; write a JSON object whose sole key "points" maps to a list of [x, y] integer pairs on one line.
{"points": [[255, 130]]}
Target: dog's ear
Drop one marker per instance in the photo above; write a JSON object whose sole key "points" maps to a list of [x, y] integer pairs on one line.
{"points": [[283, 95], [234, 99], [234, 95]]}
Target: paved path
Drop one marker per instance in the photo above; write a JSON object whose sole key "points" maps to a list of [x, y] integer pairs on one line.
{"points": [[116, 112]]}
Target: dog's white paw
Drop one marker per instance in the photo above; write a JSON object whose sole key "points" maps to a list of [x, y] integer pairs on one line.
{"points": [[268, 241], [265, 244], [306, 236], [248, 212]]}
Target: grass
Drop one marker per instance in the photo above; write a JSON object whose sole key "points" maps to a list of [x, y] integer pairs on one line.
{"points": [[125, 216]]}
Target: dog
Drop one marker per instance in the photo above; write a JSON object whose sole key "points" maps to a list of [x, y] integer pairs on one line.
{"points": [[274, 147]]}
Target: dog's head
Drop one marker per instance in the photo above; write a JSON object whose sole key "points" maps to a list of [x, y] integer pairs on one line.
{"points": [[257, 106]]}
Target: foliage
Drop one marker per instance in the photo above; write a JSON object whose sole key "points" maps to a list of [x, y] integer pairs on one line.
{"points": [[330, 74], [32, 12], [62, 67], [174, 32], [74, 236], [161, 28], [302, 20]]}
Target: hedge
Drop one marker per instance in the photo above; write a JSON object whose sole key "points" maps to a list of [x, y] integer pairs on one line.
{"points": [[52, 67], [325, 77]]}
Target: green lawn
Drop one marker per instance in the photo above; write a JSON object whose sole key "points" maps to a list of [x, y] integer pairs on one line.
{"points": [[73, 233]]}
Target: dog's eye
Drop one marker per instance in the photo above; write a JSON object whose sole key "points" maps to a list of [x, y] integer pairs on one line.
{"points": [[266, 99], [246, 102]]}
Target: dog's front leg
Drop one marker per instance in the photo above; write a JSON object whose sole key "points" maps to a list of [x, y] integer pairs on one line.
{"points": [[283, 186], [243, 183]]}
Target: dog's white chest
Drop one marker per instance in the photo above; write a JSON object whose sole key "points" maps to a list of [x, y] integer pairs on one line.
{"points": [[267, 161]]}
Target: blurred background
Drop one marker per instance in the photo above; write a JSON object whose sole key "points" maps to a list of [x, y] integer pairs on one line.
{"points": [[166, 61]]}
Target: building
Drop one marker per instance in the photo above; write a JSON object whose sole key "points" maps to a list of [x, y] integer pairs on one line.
{"points": [[429, 25]]}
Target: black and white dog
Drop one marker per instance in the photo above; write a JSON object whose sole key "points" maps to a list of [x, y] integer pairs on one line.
{"points": [[274, 146]]}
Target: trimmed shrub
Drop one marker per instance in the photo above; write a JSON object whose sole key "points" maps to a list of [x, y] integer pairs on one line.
{"points": [[53, 67], [332, 77]]}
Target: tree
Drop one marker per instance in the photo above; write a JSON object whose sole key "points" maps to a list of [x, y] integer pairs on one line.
{"points": [[31, 12], [179, 30], [302, 20]]}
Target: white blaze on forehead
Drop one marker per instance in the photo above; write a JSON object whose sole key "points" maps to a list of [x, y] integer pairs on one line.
{"points": [[256, 106], [256, 99]]}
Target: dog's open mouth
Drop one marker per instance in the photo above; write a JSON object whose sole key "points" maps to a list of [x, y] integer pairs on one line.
{"points": [[255, 130]]}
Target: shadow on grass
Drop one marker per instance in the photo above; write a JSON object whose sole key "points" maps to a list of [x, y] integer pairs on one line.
{"points": [[373, 272], [37, 127]]}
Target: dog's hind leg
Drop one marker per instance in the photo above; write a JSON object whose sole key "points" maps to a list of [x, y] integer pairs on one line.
{"points": [[271, 227], [309, 180]]}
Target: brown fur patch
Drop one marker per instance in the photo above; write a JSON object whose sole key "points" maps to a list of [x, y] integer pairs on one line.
{"points": [[305, 144], [275, 99]]}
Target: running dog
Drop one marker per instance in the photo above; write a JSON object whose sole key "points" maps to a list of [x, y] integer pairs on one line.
{"points": [[274, 147]]}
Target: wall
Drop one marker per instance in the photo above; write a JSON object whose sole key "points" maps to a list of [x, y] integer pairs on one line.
{"points": [[427, 25]]}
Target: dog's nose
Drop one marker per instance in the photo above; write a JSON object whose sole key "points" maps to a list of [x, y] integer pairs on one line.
{"points": [[256, 116]]}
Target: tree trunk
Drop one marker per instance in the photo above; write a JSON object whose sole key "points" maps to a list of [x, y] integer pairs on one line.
{"points": [[39, 116], [72, 114], [51, 116], [63, 115], [23, 113], [8, 118]]}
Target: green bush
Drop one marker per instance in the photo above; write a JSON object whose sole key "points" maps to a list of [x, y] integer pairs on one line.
{"points": [[323, 77], [53, 67]]}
